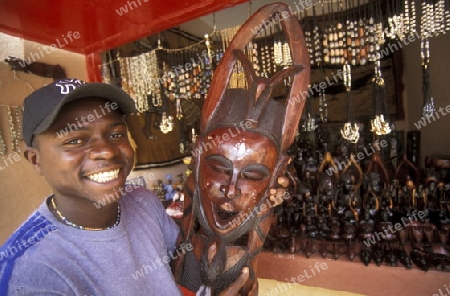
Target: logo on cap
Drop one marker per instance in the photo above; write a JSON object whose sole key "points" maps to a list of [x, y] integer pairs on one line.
{"points": [[67, 85]]}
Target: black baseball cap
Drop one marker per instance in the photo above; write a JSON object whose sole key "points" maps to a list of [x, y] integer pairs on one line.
{"points": [[42, 106]]}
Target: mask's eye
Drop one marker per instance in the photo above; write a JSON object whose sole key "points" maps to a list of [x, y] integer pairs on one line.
{"points": [[255, 172], [253, 175], [219, 164]]}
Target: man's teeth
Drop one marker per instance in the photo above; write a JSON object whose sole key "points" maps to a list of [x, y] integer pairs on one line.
{"points": [[104, 177]]}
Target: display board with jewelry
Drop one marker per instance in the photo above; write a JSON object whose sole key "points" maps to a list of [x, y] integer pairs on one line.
{"points": [[169, 80], [11, 137]]}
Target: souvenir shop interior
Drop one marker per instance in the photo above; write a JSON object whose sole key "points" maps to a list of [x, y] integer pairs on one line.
{"points": [[368, 211]]}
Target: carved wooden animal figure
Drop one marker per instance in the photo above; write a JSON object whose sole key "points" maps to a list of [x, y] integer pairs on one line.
{"points": [[236, 177], [41, 69]]}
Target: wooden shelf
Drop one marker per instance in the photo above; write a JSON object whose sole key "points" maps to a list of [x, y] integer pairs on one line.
{"points": [[353, 276]]}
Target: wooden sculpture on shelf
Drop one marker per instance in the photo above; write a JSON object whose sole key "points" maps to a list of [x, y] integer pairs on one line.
{"points": [[239, 173]]}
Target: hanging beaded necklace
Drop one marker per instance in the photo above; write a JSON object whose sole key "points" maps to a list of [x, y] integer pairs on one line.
{"points": [[67, 222]]}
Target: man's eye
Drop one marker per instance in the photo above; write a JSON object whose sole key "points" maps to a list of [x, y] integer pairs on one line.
{"points": [[117, 135], [73, 142]]}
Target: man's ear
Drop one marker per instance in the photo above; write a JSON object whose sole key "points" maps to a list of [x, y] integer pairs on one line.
{"points": [[33, 157]]}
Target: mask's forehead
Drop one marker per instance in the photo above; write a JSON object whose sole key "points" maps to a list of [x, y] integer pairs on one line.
{"points": [[241, 145], [234, 110]]}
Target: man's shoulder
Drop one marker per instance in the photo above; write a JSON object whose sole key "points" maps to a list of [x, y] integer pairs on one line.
{"points": [[27, 238], [32, 231], [144, 201], [142, 196]]}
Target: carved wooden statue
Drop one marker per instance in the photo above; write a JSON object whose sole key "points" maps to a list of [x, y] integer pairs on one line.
{"points": [[235, 180]]}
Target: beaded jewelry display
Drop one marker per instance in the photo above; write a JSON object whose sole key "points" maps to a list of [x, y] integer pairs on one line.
{"points": [[2, 145], [278, 52], [361, 37], [413, 18], [255, 58], [352, 37], [106, 75], [207, 72], [428, 108], [432, 23], [287, 59], [425, 52], [193, 135], [316, 40], [333, 38], [371, 40], [12, 131], [323, 105], [18, 122], [349, 33], [317, 45], [166, 124], [140, 77], [398, 22], [356, 38], [124, 73], [332, 41], [435, 18], [309, 122], [447, 17], [179, 114], [380, 125], [262, 63], [308, 38], [350, 131], [265, 60], [152, 86], [309, 46]]}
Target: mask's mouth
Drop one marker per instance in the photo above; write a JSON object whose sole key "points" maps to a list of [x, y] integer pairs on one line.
{"points": [[226, 216]]}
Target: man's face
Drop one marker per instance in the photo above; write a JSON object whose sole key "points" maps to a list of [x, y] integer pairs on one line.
{"points": [[86, 152], [233, 176]]}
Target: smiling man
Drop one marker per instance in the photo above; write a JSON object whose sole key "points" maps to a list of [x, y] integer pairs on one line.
{"points": [[77, 138]]}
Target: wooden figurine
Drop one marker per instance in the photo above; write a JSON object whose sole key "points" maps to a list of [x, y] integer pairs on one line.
{"points": [[235, 180]]}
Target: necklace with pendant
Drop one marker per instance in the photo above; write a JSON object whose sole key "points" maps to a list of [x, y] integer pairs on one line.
{"points": [[67, 222]]}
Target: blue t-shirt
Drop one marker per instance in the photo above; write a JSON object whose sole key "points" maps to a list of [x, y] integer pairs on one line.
{"points": [[47, 257]]}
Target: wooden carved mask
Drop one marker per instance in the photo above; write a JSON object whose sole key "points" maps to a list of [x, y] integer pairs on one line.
{"points": [[239, 155]]}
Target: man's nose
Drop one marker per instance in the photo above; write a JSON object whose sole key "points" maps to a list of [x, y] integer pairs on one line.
{"points": [[102, 149]]}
